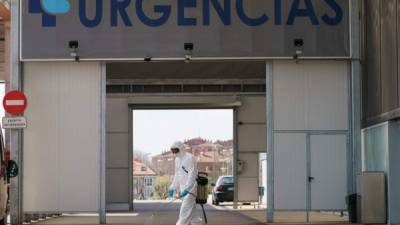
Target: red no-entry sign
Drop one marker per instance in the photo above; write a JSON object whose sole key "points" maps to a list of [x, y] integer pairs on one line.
{"points": [[15, 102]]}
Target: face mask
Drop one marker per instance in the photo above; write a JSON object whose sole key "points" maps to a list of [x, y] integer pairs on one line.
{"points": [[175, 150]]}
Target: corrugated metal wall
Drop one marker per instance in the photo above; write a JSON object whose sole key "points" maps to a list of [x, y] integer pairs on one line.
{"points": [[381, 100], [61, 171], [310, 101]]}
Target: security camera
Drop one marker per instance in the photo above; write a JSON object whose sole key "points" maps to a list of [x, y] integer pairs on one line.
{"points": [[298, 44], [74, 45], [188, 46], [188, 51]]}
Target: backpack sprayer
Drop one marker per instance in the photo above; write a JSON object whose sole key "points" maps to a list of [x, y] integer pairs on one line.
{"points": [[202, 192]]}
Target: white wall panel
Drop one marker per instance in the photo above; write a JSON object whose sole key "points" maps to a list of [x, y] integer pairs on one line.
{"points": [[251, 165], [246, 192], [253, 109], [118, 150], [62, 141], [117, 115], [290, 163], [118, 188], [329, 168], [310, 95], [252, 138]]}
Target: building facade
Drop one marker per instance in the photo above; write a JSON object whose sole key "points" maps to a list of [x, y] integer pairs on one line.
{"points": [[381, 96], [288, 69], [215, 159], [143, 181]]}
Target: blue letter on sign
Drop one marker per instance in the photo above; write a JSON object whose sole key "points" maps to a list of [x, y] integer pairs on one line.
{"points": [[182, 20], [339, 13], [223, 12], [295, 11], [82, 13], [118, 6], [278, 12], [164, 10], [247, 20]]}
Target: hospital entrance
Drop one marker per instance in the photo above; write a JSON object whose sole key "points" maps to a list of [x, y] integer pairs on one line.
{"points": [[212, 117]]}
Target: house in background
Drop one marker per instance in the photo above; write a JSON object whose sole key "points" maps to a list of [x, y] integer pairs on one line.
{"points": [[214, 158], [143, 181], [164, 163]]}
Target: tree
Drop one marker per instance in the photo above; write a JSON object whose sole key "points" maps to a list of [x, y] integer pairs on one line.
{"points": [[142, 157], [161, 187]]}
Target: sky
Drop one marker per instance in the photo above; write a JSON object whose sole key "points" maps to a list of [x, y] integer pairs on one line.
{"points": [[154, 131]]}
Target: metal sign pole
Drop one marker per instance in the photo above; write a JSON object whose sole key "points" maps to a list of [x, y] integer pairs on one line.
{"points": [[15, 135]]}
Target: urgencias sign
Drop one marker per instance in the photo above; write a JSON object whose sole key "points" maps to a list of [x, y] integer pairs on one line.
{"points": [[158, 28]]}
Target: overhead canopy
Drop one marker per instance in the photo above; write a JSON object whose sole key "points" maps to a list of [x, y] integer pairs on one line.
{"points": [[182, 70]]}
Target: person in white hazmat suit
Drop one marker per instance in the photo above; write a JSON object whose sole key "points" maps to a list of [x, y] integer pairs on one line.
{"points": [[184, 182]]}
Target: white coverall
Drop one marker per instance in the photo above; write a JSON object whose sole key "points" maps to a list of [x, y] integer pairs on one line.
{"points": [[185, 179]]}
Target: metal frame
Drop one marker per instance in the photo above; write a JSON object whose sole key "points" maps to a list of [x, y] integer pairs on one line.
{"points": [[235, 158], [133, 107], [131, 155], [308, 183], [270, 142], [393, 172], [356, 91], [160, 81], [192, 59], [102, 198]]}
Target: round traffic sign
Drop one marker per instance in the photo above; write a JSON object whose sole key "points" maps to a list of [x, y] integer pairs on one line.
{"points": [[15, 102]]}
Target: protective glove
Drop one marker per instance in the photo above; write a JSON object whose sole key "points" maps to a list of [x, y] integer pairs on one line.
{"points": [[184, 193], [171, 193]]}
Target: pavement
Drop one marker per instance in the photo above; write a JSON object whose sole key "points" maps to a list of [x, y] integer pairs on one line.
{"points": [[166, 213], [147, 218]]}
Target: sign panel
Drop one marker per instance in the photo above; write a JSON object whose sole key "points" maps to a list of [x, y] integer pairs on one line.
{"points": [[14, 122], [14, 102], [126, 29]]}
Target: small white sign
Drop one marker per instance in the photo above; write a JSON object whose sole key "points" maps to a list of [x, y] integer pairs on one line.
{"points": [[14, 122]]}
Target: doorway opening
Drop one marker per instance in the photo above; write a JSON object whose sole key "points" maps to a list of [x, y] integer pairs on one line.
{"points": [[208, 134]]}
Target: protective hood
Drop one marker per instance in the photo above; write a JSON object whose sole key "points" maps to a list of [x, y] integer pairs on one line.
{"points": [[179, 145]]}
